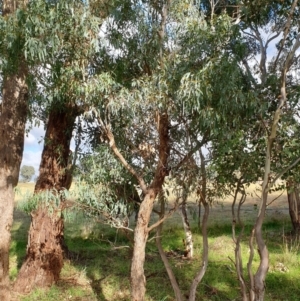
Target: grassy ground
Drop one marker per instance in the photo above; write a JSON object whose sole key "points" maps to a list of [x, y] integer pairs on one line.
{"points": [[100, 269]]}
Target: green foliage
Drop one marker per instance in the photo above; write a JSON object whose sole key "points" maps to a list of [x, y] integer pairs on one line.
{"points": [[49, 198], [27, 173], [105, 189]]}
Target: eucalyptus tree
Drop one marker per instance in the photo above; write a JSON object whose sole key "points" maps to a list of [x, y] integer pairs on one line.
{"points": [[264, 23], [273, 85], [62, 39], [169, 68], [13, 113]]}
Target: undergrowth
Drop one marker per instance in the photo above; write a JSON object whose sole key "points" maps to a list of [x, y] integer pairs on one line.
{"points": [[100, 266]]}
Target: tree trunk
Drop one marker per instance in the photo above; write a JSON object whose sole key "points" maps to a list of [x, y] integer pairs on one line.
{"points": [[141, 232], [201, 273], [236, 220], [202, 199], [189, 247], [294, 205], [44, 258], [162, 254], [257, 290], [55, 163], [138, 281], [13, 113]]}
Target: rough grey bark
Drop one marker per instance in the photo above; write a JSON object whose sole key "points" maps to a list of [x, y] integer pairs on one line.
{"points": [[45, 248]]}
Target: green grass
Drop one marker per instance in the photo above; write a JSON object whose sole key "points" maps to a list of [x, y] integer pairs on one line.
{"points": [[101, 267]]}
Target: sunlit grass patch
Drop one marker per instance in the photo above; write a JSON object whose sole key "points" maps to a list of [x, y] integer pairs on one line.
{"points": [[101, 258]]}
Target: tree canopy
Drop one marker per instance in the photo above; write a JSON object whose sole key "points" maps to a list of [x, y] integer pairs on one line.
{"points": [[182, 90]]}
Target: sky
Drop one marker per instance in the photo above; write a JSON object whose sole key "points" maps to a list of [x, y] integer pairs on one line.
{"points": [[33, 146], [34, 142]]}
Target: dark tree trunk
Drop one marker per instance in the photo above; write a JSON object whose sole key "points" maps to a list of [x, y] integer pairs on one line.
{"points": [[294, 205], [44, 258], [13, 113], [55, 167]]}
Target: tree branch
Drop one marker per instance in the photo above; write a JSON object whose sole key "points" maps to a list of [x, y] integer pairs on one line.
{"points": [[283, 172], [164, 218], [117, 153], [286, 30]]}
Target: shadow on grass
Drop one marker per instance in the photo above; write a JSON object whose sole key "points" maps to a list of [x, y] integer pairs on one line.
{"points": [[106, 268], [19, 236], [102, 258]]}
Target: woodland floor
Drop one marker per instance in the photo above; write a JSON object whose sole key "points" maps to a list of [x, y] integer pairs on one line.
{"points": [[101, 269]]}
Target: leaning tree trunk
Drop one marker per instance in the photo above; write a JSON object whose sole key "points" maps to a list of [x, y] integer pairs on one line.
{"points": [[294, 205], [44, 258], [13, 113]]}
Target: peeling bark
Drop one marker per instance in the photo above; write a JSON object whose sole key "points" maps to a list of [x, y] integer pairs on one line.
{"points": [[138, 280], [44, 259], [45, 248]]}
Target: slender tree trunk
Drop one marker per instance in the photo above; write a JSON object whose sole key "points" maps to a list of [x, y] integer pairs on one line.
{"points": [[44, 258], [237, 240], [13, 113], [201, 273], [257, 290], [202, 196], [162, 254], [189, 246], [261, 273]]}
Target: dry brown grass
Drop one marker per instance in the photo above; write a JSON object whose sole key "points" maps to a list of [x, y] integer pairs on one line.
{"points": [[22, 189]]}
